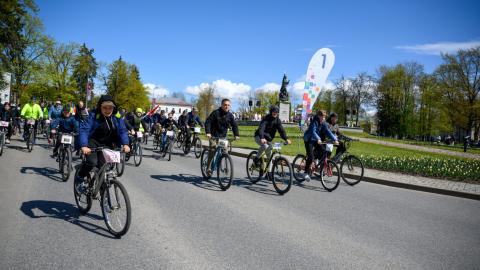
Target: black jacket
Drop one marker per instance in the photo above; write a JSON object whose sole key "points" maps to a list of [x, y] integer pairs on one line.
{"points": [[133, 122], [182, 120], [268, 128], [7, 115], [218, 123], [168, 124]]}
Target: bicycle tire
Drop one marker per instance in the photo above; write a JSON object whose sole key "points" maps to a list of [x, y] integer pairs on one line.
{"points": [[179, 140], [186, 148], [137, 158], [197, 147], [2, 143], [278, 168], [250, 167], [328, 178], [298, 167], [349, 178], [77, 194], [170, 150], [106, 205], [225, 165], [203, 164], [120, 167]]}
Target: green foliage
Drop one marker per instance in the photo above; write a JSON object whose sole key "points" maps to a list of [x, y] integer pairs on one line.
{"points": [[206, 102], [266, 99], [124, 85], [84, 70]]}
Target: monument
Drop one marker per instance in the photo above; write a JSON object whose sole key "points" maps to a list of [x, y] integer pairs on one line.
{"points": [[284, 103]]}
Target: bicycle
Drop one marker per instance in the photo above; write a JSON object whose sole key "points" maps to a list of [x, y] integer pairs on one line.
{"points": [[29, 134], [104, 182], [180, 138], [196, 141], [280, 173], [167, 147], [350, 163], [221, 162], [136, 148], [322, 167], [3, 132], [65, 154]]}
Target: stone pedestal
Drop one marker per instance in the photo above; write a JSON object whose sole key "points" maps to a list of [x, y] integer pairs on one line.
{"points": [[284, 114]]}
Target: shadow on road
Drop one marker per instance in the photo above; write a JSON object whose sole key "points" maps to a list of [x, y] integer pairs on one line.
{"points": [[51, 173], [63, 211], [260, 187], [309, 187], [190, 179]]}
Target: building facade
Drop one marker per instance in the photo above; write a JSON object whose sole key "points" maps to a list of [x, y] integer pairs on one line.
{"points": [[176, 104]]}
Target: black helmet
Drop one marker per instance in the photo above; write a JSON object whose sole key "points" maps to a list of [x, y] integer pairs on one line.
{"points": [[274, 109]]}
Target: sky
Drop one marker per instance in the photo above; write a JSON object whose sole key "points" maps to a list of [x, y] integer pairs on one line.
{"points": [[241, 46]]}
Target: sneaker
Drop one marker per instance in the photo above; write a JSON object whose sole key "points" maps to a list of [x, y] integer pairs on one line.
{"points": [[209, 172], [307, 178], [7, 141]]}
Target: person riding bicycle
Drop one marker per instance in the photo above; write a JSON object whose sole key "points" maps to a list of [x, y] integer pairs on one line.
{"points": [[65, 124], [45, 114], [103, 128], [8, 115], [31, 112], [157, 119], [217, 125], [182, 121], [191, 120], [135, 123], [168, 124], [266, 132], [335, 129], [317, 131]]}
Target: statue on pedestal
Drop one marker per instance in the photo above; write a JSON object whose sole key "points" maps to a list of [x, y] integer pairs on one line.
{"points": [[283, 96]]}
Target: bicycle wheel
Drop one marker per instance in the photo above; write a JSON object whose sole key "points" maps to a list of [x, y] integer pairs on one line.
{"points": [[254, 173], [80, 191], [197, 147], [66, 164], [120, 167], [156, 142], [298, 167], [2, 142], [179, 140], [164, 149], [329, 175], [225, 171], [203, 164], [116, 208], [137, 158], [170, 150], [352, 170], [186, 148], [281, 175]]}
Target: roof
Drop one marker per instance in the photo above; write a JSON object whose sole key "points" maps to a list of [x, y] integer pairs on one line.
{"points": [[172, 101]]}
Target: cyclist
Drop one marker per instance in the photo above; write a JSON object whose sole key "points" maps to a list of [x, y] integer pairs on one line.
{"points": [[65, 124], [182, 120], [266, 132], [191, 120], [167, 124], [104, 127], [317, 130], [135, 123], [31, 111], [217, 125], [8, 115], [335, 129], [54, 113], [45, 114]]}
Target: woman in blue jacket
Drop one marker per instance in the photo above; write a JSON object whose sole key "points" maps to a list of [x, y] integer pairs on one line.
{"points": [[312, 138]]}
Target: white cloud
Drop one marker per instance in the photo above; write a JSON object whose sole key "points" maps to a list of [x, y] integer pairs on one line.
{"points": [[270, 87], [156, 91], [439, 47], [223, 89]]}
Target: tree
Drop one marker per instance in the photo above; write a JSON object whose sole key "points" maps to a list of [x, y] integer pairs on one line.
{"points": [[342, 96], [459, 78], [84, 70], [124, 85], [361, 92], [266, 99], [206, 101]]}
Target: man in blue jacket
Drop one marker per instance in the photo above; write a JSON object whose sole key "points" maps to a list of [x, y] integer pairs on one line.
{"points": [[103, 127], [65, 124], [312, 138]]}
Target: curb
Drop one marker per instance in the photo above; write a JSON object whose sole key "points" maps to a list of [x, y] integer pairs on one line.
{"points": [[384, 182]]}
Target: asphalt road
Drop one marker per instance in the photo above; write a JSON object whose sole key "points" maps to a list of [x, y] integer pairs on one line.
{"points": [[182, 222]]}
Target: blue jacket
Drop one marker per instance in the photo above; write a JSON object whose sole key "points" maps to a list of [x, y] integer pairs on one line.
{"points": [[55, 113], [93, 122], [191, 120], [317, 130], [66, 124]]}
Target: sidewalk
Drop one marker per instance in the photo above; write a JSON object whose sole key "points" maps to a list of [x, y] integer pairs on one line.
{"points": [[439, 186]]}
